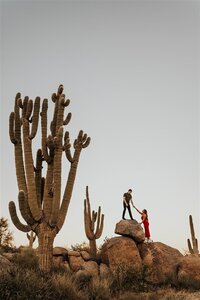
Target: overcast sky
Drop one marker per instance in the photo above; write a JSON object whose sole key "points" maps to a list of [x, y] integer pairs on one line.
{"points": [[131, 71]]}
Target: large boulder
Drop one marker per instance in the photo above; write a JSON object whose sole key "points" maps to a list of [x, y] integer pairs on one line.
{"points": [[189, 272], [60, 256], [121, 251], [160, 262], [130, 228], [77, 263]]}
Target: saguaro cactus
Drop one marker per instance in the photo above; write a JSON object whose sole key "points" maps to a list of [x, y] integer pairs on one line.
{"points": [[40, 198], [193, 248], [89, 221], [31, 237]]}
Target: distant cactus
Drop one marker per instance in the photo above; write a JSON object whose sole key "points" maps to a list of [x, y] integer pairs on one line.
{"points": [[31, 237], [193, 248], [40, 198], [89, 221]]}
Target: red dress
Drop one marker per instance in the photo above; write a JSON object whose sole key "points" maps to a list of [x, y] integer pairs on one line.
{"points": [[146, 227]]}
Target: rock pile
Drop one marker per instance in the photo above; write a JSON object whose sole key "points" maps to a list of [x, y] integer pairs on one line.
{"points": [[156, 262]]}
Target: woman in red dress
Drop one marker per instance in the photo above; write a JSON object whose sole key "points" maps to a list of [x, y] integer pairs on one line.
{"points": [[145, 221]]}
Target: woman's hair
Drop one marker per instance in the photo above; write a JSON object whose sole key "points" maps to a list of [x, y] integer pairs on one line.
{"points": [[145, 211]]}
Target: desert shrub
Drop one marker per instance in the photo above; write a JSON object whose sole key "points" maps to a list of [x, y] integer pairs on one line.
{"points": [[80, 247], [99, 288], [127, 279], [27, 259], [23, 284]]}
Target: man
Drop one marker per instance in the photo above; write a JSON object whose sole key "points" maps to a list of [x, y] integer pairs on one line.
{"points": [[127, 199]]}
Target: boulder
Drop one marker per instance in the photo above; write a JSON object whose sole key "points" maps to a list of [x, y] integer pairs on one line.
{"points": [[85, 255], [76, 262], [160, 262], [74, 253], [130, 228], [60, 251], [121, 251], [60, 256], [189, 272], [91, 267]]}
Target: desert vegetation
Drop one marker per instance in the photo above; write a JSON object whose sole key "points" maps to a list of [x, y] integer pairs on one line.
{"points": [[24, 281]]}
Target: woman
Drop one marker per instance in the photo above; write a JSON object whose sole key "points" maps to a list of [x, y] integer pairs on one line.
{"points": [[145, 221]]}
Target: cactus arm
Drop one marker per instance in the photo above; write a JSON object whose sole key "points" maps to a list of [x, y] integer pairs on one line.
{"points": [[190, 246], [29, 109], [48, 192], [67, 196], [57, 178], [67, 119], [87, 221], [60, 115], [86, 143], [23, 106], [67, 147], [35, 210], [99, 229], [24, 208], [98, 220], [31, 237], [15, 136], [42, 189], [15, 219], [70, 181], [193, 247], [11, 129], [94, 217], [35, 118], [38, 177], [44, 130], [55, 98]]}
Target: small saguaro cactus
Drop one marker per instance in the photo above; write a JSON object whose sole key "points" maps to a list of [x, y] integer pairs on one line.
{"points": [[193, 248], [41, 203], [89, 221], [31, 237]]}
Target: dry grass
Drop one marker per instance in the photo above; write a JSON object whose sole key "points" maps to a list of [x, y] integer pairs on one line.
{"points": [[164, 294], [25, 282]]}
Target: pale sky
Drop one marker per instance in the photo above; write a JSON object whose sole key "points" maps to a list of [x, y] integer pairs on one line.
{"points": [[131, 71]]}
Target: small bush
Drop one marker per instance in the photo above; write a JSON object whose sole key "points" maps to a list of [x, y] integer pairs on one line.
{"points": [[27, 259], [80, 247]]}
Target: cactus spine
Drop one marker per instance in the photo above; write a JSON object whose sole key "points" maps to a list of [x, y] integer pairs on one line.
{"points": [[31, 237], [40, 198], [193, 248], [89, 221]]}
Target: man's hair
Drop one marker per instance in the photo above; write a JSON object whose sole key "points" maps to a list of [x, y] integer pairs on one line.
{"points": [[130, 190]]}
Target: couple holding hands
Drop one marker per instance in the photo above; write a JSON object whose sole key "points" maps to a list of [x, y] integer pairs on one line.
{"points": [[127, 199]]}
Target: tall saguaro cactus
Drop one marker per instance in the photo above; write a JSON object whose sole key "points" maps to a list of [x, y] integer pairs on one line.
{"points": [[40, 197], [193, 248], [89, 221], [31, 237]]}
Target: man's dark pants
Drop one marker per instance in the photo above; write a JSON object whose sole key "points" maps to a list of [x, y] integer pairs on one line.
{"points": [[129, 210]]}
